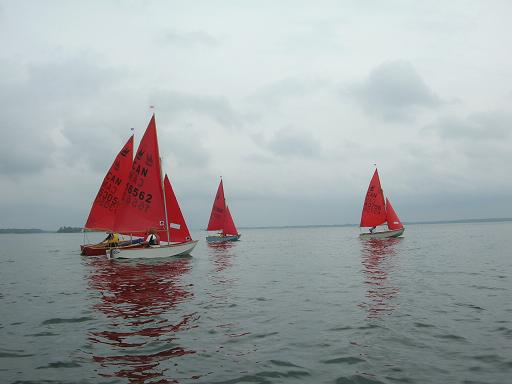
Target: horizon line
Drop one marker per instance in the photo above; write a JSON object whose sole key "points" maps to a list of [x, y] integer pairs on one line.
{"points": [[454, 221]]}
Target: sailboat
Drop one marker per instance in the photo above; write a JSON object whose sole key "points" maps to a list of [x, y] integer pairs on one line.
{"points": [[221, 220], [376, 212], [148, 203], [105, 206]]}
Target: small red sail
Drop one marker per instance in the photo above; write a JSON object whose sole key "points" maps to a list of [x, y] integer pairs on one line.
{"points": [[392, 218], [142, 206], [229, 224], [104, 208], [178, 230], [217, 216], [374, 212]]}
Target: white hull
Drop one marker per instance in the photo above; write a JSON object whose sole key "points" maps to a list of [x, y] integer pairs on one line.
{"points": [[153, 252], [382, 235]]}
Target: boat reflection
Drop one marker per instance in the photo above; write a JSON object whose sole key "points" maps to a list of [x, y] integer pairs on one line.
{"points": [[142, 332], [379, 261], [222, 255]]}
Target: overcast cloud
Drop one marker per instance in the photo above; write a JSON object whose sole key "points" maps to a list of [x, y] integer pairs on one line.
{"points": [[292, 102]]}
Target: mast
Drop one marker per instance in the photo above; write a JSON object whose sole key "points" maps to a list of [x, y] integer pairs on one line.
{"points": [[163, 188], [165, 204]]}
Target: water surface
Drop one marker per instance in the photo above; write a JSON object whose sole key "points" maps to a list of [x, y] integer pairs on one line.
{"points": [[312, 305]]}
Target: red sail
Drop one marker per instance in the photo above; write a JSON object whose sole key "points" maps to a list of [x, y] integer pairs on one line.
{"points": [[392, 218], [229, 224], [142, 206], [374, 212], [217, 216], [178, 229], [105, 206]]}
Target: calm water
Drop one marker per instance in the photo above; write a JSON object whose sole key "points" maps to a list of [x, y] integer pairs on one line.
{"points": [[311, 305]]}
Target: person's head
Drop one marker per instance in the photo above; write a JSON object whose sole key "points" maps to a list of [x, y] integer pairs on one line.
{"points": [[152, 231]]}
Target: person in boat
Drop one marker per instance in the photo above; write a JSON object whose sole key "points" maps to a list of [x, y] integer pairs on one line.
{"points": [[153, 238], [111, 240], [372, 229]]}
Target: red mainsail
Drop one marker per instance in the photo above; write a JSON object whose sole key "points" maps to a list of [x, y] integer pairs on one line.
{"points": [[105, 206], [229, 224], [392, 218], [178, 230], [218, 214], [142, 204], [374, 211]]}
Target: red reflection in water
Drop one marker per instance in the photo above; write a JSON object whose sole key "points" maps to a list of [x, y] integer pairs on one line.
{"points": [[378, 261], [139, 299], [222, 257]]}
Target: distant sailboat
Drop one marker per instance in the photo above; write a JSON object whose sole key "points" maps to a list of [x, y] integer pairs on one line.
{"points": [[145, 206], [377, 212], [221, 220], [105, 206]]}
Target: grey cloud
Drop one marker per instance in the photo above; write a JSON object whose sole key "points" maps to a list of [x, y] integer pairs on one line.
{"points": [[485, 126], [316, 37], [394, 91], [287, 142], [21, 150], [51, 102], [25, 146], [217, 108], [273, 95], [190, 39], [94, 140], [184, 144], [69, 80]]}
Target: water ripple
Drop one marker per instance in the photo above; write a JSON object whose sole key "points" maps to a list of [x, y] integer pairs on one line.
{"points": [[282, 306]]}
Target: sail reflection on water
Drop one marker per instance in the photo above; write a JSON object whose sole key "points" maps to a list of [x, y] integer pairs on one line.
{"points": [[138, 301], [222, 255], [379, 262]]}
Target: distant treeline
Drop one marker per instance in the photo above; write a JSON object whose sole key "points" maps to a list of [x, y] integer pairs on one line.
{"points": [[64, 229], [69, 230]]}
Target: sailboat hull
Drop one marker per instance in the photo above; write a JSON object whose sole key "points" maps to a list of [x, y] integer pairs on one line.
{"points": [[93, 250], [152, 252], [101, 249], [383, 234], [220, 239]]}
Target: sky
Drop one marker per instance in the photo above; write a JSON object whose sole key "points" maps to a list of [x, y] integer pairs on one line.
{"points": [[291, 102]]}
